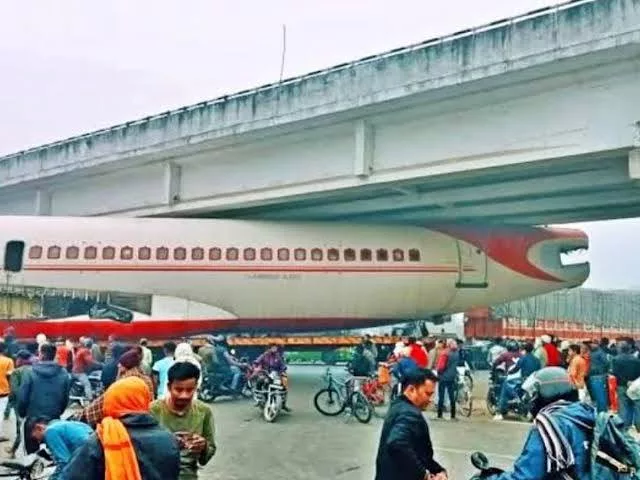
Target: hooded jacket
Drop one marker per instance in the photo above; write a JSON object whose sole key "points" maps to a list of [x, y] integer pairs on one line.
{"points": [[44, 391], [532, 463]]}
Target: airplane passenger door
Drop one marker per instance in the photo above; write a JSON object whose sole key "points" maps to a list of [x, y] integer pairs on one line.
{"points": [[13, 256], [472, 266]]}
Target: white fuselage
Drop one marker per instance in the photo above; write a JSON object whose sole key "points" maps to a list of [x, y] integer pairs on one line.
{"points": [[266, 270]]}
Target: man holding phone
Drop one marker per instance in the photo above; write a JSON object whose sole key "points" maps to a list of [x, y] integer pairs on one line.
{"points": [[190, 420]]}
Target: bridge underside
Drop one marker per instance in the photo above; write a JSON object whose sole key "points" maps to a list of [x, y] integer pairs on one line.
{"points": [[585, 188]]}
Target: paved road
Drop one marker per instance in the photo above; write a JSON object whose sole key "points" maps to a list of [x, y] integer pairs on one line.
{"points": [[306, 445]]}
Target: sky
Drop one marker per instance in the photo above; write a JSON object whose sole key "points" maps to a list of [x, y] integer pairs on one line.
{"points": [[71, 67]]}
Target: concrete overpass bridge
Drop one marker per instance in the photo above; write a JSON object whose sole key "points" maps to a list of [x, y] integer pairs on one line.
{"points": [[534, 119]]}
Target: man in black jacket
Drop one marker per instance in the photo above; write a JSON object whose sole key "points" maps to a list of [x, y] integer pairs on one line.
{"points": [[405, 451], [44, 391]]}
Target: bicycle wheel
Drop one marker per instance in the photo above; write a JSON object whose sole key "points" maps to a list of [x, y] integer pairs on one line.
{"points": [[329, 402], [465, 399], [361, 407]]}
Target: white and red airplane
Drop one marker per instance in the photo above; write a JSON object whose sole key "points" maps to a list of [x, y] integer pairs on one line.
{"points": [[275, 276]]}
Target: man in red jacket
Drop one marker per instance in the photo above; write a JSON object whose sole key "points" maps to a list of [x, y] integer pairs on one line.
{"points": [[554, 359], [418, 353]]}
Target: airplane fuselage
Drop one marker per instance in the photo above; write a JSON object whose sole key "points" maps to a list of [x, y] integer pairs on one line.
{"points": [[273, 275]]}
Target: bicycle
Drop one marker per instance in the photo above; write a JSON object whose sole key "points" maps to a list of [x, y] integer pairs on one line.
{"points": [[343, 394], [464, 395]]}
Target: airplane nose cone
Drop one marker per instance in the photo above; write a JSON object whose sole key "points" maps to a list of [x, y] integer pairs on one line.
{"points": [[534, 252]]}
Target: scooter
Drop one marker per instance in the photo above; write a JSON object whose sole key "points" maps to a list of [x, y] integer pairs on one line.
{"points": [[481, 462]]}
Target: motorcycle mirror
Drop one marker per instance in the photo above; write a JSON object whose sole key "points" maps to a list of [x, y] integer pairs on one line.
{"points": [[480, 461]]}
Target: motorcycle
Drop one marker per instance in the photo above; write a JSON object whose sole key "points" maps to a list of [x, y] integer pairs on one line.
{"points": [[518, 405], [27, 468], [219, 385], [269, 393], [481, 462], [77, 389]]}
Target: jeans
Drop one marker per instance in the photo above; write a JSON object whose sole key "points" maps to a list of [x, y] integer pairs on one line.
{"points": [[629, 409], [597, 386], [237, 373], [18, 439], [7, 411], [83, 378], [450, 387], [508, 392]]}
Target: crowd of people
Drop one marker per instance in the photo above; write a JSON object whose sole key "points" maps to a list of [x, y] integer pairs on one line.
{"points": [[148, 423], [566, 387]]}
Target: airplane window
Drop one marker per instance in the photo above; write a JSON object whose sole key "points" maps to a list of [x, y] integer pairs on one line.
{"points": [[232, 253], [382, 255], [316, 254], [108, 253], [90, 253], [179, 253], [162, 253], [333, 255], [266, 254], [215, 254], [72, 253], [144, 253], [350, 255], [365, 255], [300, 254], [53, 253], [398, 255], [35, 252], [414, 255], [283, 254], [197, 253], [249, 254], [126, 253]]}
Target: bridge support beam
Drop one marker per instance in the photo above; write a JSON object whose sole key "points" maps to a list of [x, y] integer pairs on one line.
{"points": [[364, 149], [172, 174], [42, 205]]}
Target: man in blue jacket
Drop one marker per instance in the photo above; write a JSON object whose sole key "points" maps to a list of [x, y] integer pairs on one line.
{"points": [[563, 428], [44, 392], [62, 438]]}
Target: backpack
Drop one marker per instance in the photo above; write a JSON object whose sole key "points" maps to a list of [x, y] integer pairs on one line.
{"points": [[615, 455], [441, 363]]}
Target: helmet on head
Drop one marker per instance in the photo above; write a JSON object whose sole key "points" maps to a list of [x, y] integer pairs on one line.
{"points": [[548, 384], [512, 346]]}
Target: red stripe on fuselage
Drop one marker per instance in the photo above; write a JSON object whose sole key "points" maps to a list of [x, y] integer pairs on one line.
{"points": [[245, 269], [174, 329]]}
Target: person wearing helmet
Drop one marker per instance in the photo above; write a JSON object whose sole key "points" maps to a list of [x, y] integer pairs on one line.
{"points": [[562, 427]]}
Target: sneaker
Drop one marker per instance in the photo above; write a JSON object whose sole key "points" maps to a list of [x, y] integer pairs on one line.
{"points": [[498, 417]]}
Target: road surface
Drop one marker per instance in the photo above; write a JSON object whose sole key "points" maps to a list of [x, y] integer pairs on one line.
{"points": [[306, 445]]}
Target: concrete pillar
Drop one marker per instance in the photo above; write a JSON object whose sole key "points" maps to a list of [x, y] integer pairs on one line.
{"points": [[634, 164], [171, 183], [364, 149], [42, 204]]}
